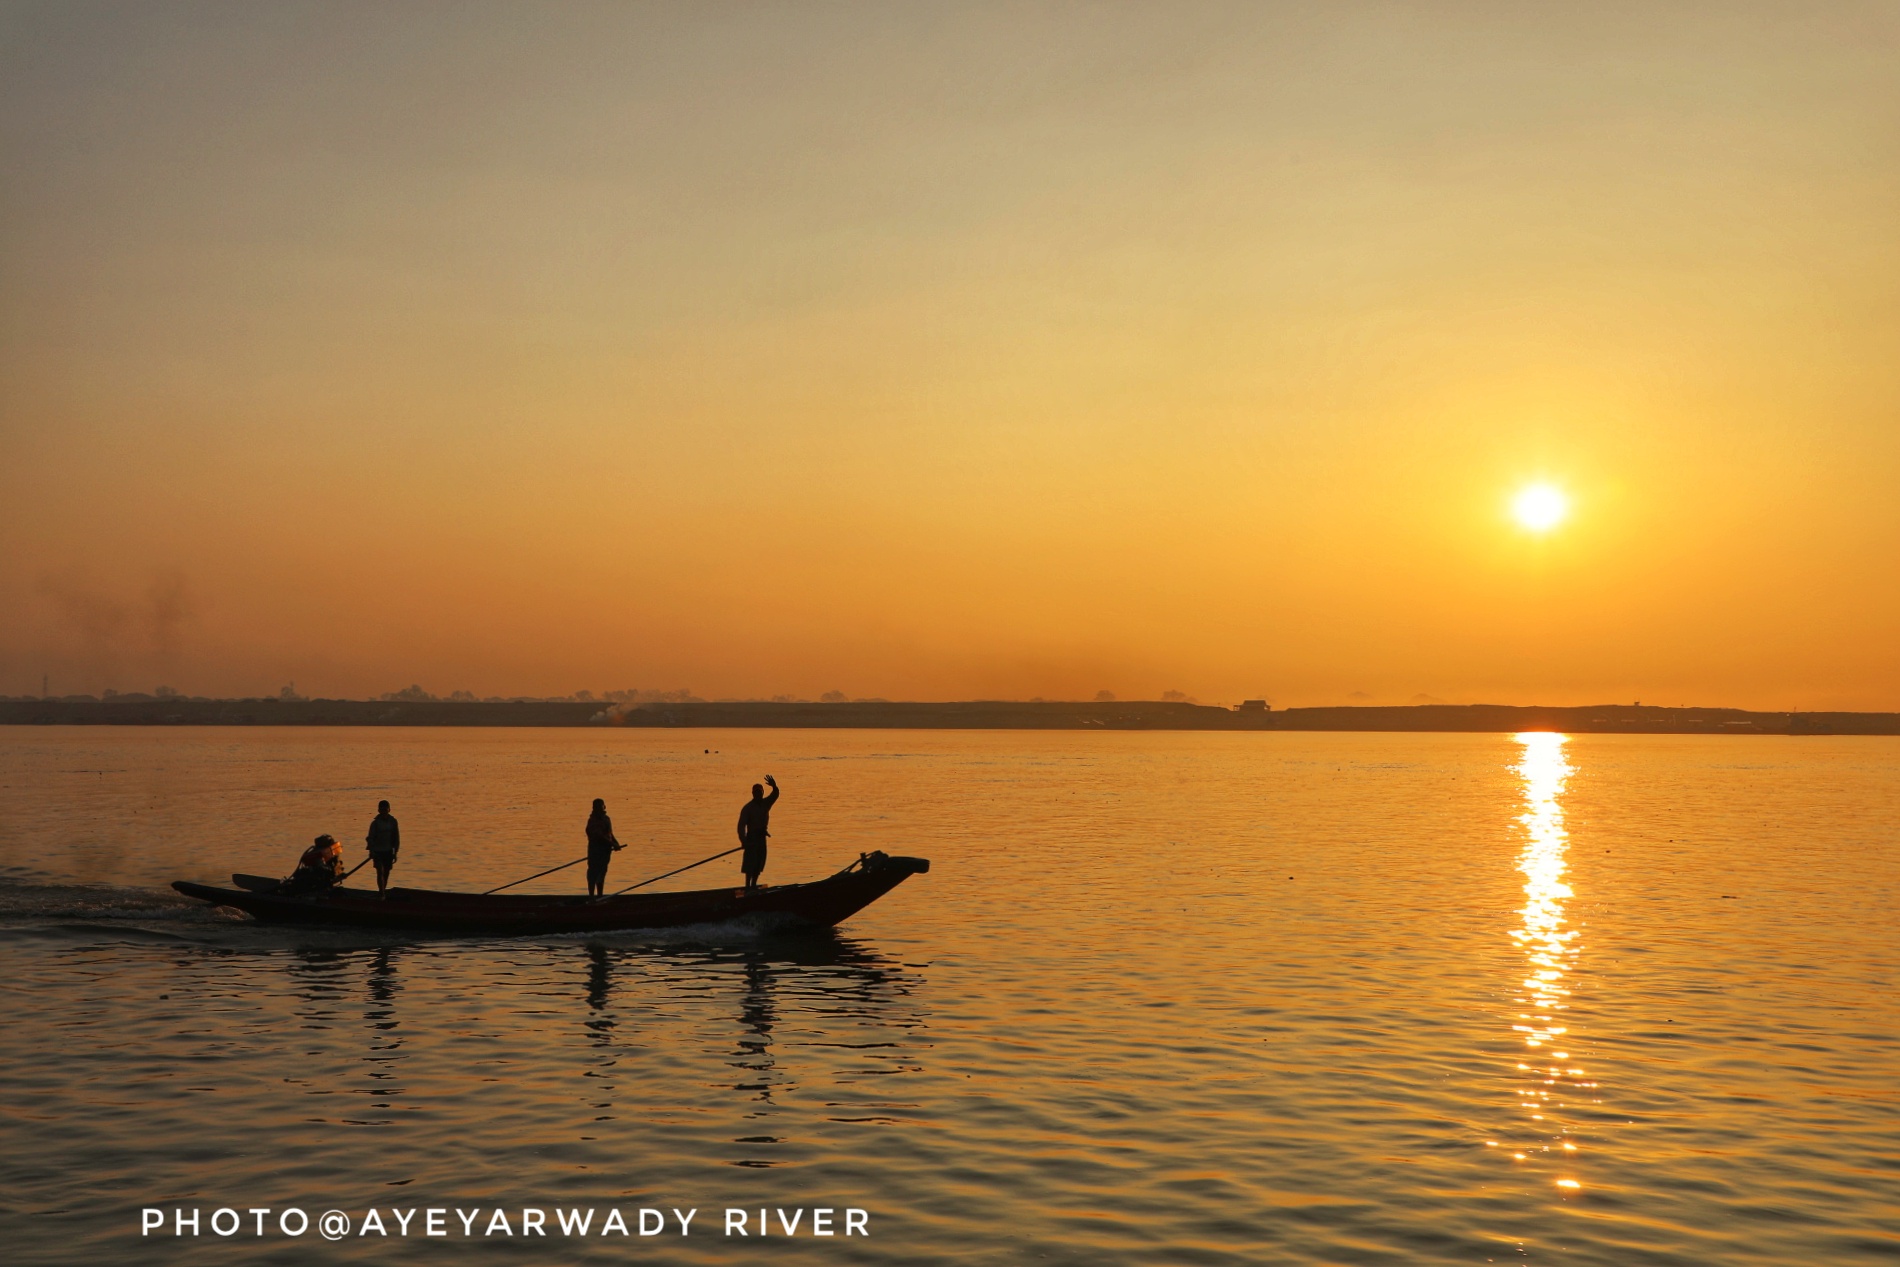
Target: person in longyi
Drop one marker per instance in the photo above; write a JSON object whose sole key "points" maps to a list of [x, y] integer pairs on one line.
{"points": [[601, 847], [383, 840], [753, 821]]}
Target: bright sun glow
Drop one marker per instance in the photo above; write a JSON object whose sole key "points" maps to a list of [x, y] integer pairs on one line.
{"points": [[1540, 507]]}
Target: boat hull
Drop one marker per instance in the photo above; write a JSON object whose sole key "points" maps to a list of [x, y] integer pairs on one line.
{"points": [[819, 904]]}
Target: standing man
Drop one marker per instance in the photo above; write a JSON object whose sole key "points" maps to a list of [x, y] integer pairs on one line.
{"points": [[382, 842], [752, 831], [601, 846]]}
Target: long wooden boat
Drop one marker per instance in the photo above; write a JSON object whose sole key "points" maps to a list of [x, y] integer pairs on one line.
{"points": [[820, 903]]}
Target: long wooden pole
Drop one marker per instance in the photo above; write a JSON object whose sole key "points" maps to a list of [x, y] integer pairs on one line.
{"points": [[688, 867], [537, 875]]}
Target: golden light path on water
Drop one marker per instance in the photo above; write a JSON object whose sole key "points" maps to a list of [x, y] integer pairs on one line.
{"points": [[1550, 953]]}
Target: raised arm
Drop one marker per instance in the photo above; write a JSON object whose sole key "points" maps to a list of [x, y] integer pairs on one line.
{"points": [[773, 784]]}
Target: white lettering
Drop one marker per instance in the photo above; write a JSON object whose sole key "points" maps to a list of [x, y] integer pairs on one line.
{"points": [[732, 1217], [377, 1219], [613, 1220], [533, 1224], [235, 1221], [659, 1222], [403, 1217], [468, 1220], [432, 1222], [149, 1219], [303, 1222], [500, 1218], [178, 1222], [821, 1222], [686, 1219], [260, 1217], [791, 1229], [857, 1222], [572, 1224]]}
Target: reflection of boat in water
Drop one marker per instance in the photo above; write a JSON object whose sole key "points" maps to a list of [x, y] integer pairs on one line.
{"points": [[820, 903]]}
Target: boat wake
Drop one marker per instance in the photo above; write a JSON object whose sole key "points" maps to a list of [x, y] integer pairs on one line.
{"points": [[89, 910], [111, 902]]}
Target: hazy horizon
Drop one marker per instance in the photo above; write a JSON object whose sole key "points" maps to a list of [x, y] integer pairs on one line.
{"points": [[965, 352], [618, 698]]}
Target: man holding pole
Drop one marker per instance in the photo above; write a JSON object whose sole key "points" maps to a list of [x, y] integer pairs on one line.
{"points": [[752, 831], [601, 847]]}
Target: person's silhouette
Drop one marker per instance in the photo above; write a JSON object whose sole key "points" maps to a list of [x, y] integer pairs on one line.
{"points": [[753, 821], [383, 840], [600, 848]]}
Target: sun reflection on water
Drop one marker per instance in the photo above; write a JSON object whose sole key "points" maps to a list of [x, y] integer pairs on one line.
{"points": [[1550, 1082]]}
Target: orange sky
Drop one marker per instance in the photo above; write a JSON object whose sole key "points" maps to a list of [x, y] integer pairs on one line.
{"points": [[940, 352]]}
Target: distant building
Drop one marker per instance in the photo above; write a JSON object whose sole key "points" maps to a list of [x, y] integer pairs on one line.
{"points": [[1252, 706]]}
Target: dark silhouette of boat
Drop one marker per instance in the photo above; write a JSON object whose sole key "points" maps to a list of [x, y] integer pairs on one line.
{"points": [[818, 904]]}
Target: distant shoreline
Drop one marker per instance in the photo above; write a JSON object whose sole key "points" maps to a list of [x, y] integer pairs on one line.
{"points": [[965, 715]]}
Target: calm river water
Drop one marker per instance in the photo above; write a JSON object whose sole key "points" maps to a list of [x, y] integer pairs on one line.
{"points": [[1163, 998]]}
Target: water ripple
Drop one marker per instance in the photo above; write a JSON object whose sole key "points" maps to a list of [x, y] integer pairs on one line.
{"points": [[1162, 999]]}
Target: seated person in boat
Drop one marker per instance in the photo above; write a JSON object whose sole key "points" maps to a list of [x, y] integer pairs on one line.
{"points": [[321, 866]]}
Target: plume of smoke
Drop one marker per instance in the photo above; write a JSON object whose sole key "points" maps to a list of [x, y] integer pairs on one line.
{"points": [[634, 695], [152, 621], [168, 606]]}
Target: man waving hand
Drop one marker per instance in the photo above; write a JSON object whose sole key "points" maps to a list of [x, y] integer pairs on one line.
{"points": [[753, 820]]}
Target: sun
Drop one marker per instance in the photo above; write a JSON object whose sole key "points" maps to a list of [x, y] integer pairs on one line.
{"points": [[1540, 507]]}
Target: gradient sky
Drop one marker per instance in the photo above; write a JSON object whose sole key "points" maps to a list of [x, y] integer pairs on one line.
{"points": [[952, 351]]}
